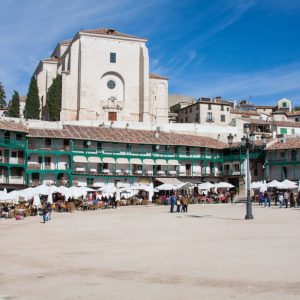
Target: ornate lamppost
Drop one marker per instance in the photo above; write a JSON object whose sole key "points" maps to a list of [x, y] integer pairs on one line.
{"points": [[247, 143]]}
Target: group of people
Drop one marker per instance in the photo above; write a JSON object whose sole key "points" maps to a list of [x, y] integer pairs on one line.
{"points": [[281, 199], [181, 202]]}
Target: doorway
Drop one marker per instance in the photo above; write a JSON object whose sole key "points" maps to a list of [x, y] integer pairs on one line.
{"points": [[112, 116]]}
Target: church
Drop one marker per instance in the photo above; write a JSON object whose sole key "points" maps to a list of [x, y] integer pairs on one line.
{"points": [[105, 76]]}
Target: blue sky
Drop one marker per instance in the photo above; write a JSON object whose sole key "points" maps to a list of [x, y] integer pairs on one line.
{"points": [[237, 49]]}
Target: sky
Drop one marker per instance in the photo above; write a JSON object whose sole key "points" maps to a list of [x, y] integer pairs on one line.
{"points": [[236, 49]]}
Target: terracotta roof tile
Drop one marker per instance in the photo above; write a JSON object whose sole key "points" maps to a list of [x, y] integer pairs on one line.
{"points": [[244, 112], [290, 143], [126, 136], [112, 32], [12, 126], [155, 76]]}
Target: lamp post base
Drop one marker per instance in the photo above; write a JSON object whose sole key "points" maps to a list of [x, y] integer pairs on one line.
{"points": [[249, 217]]}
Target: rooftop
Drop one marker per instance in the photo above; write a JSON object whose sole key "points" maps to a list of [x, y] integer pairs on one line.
{"points": [[289, 143], [125, 136], [110, 32]]}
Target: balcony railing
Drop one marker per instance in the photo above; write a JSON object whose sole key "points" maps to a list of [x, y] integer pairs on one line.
{"points": [[13, 142], [36, 146], [11, 160]]}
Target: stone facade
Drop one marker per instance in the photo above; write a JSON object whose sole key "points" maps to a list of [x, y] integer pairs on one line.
{"points": [[105, 76]]}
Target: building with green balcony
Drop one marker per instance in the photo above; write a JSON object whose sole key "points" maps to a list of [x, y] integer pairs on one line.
{"points": [[93, 155]]}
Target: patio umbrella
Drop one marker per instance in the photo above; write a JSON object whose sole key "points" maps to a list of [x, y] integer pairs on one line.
{"points": [[37, 200], [225, 185], [287, 185], [256, 185], [273, 184], [206, 186], [166, 187], [50, 198]]}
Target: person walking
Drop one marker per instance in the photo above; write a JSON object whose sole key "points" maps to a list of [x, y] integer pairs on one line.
{"points": [[266, 199], [178, 204], [172, 203], [49, 211], [280, 199], [44, 213], [185, 203], [292, 200], [260, 198], [286, 199], [276, 197]]}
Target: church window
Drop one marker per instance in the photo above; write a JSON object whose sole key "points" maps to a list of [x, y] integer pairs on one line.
{"points": [[113, 57], [111, 84]]}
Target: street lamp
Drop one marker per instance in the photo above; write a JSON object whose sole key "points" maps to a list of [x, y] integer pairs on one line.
{"points": [[247, 141]]}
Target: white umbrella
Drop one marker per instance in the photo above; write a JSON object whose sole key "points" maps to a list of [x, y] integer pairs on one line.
{"points": [[206, 186], [50, 199], [273, 184], [166, 187], [37, 200], [10, 197], [108, 189], [185, 185], [225, 185], [256, 185], [287, 185]]}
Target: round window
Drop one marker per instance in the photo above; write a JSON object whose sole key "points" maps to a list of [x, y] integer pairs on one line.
{"points": [[111, 84]]}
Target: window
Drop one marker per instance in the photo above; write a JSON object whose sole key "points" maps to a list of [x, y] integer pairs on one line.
{"points": [[111, 84], [296, 119], [227, 108], [284, 104], [48, 142], [191, 109], [197, 119], [35, 176], [293, 131], [47, 161], [40, 160], [90, 181], [187, 151], [209, 106], [18, 136], [285, 172], [113, 57], [294, 155], [85, 144], [197, 106], [282, 154], [209, 117], [222, 118], [222, 107], [186, 119], [99, 146], [66, 142], [14, 154]]}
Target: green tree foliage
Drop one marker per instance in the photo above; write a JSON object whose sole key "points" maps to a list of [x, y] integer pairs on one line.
{"points": [[53, 102], [2, 96], [32, 106], [14, 108]]}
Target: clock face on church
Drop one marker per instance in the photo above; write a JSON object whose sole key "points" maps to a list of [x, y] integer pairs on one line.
{"points": [[111, 84]]}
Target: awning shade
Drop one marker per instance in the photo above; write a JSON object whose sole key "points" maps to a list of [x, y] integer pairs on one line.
{"points": [[161, 162], [173, 162], [108, 160], [148, 161], [81, 159], [94, 159], [122, 161], [136, 161]]}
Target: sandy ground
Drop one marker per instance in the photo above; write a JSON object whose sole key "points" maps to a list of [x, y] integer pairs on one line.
{"points": [[147, 253]]}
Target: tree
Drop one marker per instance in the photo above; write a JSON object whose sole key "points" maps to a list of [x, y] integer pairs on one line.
{"points": [[2, 96], [14, 108], [32, 105], [53, 102]]}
